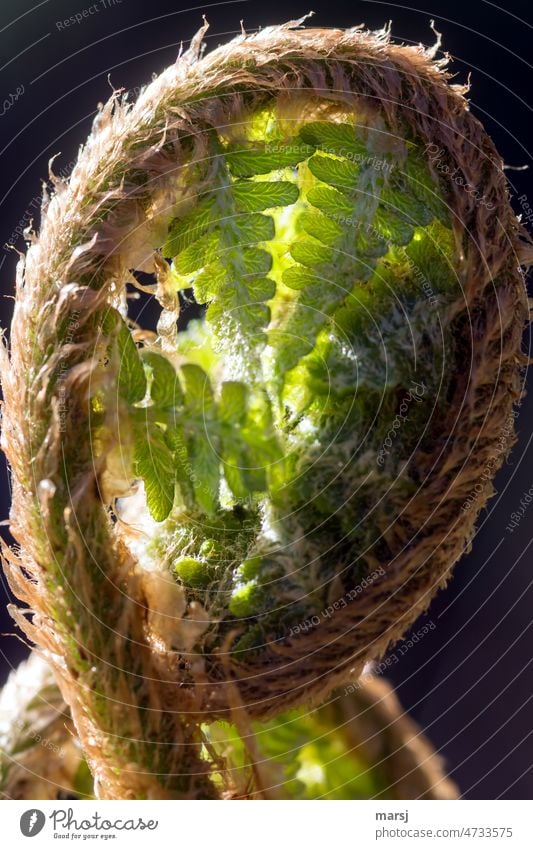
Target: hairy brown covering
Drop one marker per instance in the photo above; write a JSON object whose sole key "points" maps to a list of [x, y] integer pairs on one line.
{"points": [[87, 598], [376, 728]]}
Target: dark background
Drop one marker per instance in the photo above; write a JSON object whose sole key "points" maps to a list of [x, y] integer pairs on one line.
{"points": [[469, 682]]}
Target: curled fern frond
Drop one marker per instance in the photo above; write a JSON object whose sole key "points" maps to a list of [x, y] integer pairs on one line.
{"points": [[231, 519]]}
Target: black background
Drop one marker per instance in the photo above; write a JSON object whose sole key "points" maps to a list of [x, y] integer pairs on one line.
{"points": [[469, 682]]}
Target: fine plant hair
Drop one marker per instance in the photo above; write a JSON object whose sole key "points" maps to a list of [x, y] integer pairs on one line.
{"points": [[183, 501]]}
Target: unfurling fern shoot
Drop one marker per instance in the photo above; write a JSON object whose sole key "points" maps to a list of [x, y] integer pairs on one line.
{"points": [[228, 521]]}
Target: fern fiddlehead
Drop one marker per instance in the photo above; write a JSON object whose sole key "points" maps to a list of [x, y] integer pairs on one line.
{"points": [[236, 517]]}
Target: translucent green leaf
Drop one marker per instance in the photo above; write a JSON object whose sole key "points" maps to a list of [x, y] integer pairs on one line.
{"points": [[260, 414], [234, 461], [249, 444], [185, 231], [154, 464], [198, 391], [232, 268], [403, 202], [261, 289], [290, 348], [252, 319], [331, 202], [369, 242], [393, 227], [320, 226], [310, 754], [340, 174], [131, 380], [255, 261], [297, 277], [425, 187], [201, 252], [341, 139], [265, 454], [165, 390], [83, 781], [204, 455], [254, 227], [206, 284], [196, 450], [233, 397], [432, 257], [318, 301], [177, 442], [257, 196], [262, 160], [241, 305]]}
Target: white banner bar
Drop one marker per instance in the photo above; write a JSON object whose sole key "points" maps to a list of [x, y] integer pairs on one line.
{"points": [[269, 825]]}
